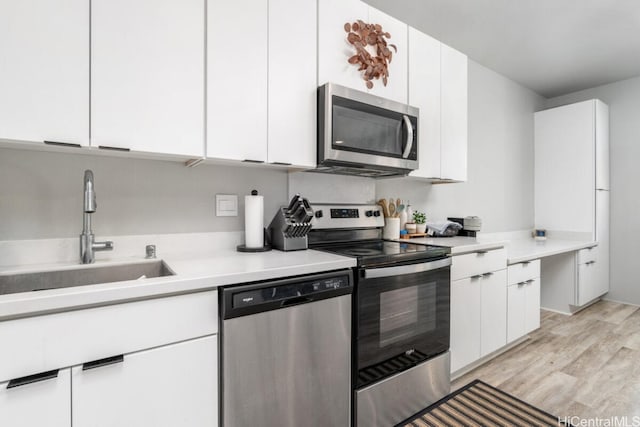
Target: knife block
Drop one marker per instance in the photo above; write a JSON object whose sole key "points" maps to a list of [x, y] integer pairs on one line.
{"points": [[286, 234]]}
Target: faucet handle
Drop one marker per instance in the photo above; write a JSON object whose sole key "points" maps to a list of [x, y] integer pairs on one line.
{"points": [[151, 251]]}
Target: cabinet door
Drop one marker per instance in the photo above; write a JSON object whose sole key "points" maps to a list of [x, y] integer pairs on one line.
{"points": [[588, 286], [602, 145], [396, 88], [493, 322], [564, 171], [237, 79], [602, 236], [516, 307], [42, 403], [465, 322], [44, 71], [424, 93], [532, 305], [454, 114], [174, 385], [333, 48], [292, 82], [147, 75]]}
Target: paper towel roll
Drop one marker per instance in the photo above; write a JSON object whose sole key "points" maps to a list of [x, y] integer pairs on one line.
{"points": [[253, 220]]}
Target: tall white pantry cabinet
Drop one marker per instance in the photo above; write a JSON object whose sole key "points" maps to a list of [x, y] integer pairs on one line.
{"points": [[572, 195]]}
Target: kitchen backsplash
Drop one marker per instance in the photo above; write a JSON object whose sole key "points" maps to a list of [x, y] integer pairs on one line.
{"points": [[41, 195], [325, 188]]}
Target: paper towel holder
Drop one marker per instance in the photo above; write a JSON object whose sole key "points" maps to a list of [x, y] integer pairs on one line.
{"points": [[265, 248]]}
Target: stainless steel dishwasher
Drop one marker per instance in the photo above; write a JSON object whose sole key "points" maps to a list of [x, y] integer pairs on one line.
{"points": [[286, 352]]}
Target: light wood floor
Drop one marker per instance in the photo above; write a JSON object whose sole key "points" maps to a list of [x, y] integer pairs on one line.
{"points": [[585, 365]]}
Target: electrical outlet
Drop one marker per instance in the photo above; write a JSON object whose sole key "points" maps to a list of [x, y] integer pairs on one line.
{"points": [[226, 205]]}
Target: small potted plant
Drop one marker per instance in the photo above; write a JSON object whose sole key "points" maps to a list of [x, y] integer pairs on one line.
{"points": [[420, 219]]}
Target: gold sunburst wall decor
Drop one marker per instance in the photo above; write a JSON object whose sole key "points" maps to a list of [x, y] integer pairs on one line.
{"points": [[373, 54]]}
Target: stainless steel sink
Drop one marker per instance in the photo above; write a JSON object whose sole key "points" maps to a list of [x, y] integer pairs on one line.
{"points": [[81, 276]]}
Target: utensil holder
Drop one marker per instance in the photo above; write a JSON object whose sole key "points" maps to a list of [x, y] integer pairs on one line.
{"points": [[391, 229]]}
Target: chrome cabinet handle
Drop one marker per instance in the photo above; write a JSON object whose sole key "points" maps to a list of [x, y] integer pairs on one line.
{"points": [[487, 274], [482, 252], [519, 284], [477, 276], [530, 281], [30, 379], [409, 142], [590, 262]]}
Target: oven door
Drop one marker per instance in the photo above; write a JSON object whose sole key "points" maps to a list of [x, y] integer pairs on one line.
{"points": [[402, 318]]}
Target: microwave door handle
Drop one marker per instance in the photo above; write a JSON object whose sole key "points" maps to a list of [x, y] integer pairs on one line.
{"points": [[409, 141]]}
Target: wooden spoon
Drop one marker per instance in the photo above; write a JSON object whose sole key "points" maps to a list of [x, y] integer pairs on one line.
{"points": [[385, 208]]}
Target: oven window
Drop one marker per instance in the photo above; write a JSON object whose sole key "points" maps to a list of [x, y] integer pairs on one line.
{"points": [[400, 311]]}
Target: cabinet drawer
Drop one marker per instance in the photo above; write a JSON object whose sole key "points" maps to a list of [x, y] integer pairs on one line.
{"points": [[478, 263], [44, 343], [523, 271], [587, 255]]}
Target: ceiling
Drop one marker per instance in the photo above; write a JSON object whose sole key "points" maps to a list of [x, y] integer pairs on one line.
{"points": [[553, 47]]}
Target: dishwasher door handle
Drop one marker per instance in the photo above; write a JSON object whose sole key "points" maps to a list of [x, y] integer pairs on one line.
{"points": [[295, 301], [374, 273]]}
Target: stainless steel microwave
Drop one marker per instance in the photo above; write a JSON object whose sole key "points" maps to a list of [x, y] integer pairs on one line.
{"points": [[363, 134]]}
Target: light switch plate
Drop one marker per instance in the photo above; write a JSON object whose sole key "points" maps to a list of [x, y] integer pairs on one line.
{"points": [[226, 205]]}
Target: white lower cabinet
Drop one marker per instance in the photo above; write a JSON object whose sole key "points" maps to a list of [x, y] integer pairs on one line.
{"points": [[465, 322], [143, 363], [523, 299], [46, 402], [523, 309], [478, 306], [493, 319], [173, 385]]}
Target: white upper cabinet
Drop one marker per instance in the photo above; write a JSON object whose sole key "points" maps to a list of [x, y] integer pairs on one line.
{"points": [[454, 101], [44, 70], [424, 93], [237, 34], [396, 88], [147, 76], [333, 48], [292, 82], [565, 168]]}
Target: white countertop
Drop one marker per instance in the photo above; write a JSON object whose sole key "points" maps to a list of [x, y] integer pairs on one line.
{"points": [[193, 274], [518, 250], [459, 244], [529, 249]]}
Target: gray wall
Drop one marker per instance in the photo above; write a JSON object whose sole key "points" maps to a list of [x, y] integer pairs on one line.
{"points": [[623, 99], [41, 195], [499, 188]]}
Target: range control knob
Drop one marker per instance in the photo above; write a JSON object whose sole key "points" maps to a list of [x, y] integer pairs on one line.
{"points": [[376, 213], [368, 213], [318, 214]]}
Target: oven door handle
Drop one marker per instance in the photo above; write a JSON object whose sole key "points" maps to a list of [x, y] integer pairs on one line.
{"points": [[374, 273]]}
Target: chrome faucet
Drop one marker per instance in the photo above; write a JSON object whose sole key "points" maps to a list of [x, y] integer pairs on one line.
{"points": [[88, 245]]}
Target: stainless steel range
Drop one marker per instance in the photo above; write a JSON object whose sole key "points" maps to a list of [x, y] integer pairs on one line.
{"points": [[400, 327]]}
